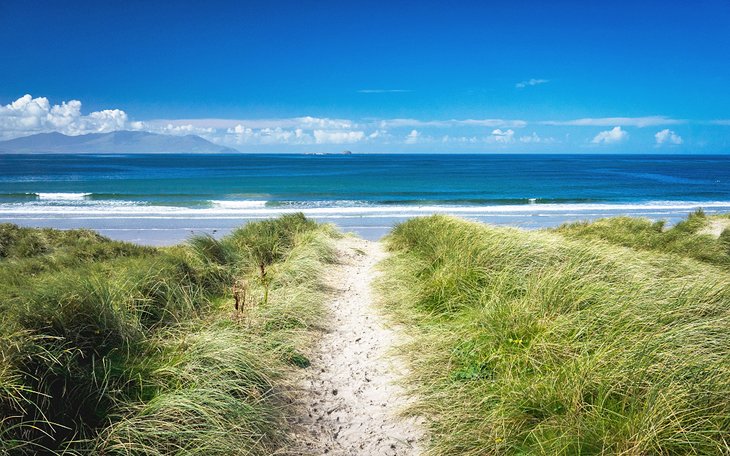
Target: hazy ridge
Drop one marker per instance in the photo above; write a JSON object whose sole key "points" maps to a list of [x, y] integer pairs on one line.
{"points": [[117, 142]]}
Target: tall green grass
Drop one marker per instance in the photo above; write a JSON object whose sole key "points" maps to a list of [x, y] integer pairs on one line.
{"points": [[536, 343], [138, 351], [686, 238], [26, 253]]}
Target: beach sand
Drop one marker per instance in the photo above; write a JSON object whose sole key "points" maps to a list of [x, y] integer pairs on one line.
{"points": [[716, 227]]}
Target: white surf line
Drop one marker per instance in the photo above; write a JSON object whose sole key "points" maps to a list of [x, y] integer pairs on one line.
{"points": [[349, 402]]}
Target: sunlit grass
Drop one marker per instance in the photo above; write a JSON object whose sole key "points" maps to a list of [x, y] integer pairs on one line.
{"points": [[686, 238], [111, 348], [538, 343]]}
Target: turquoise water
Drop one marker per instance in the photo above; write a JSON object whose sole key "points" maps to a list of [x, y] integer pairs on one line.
{"points": [[164, 198]]}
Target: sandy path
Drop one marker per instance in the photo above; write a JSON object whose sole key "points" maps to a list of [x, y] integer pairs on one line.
{"points": [[716, 227], [349, 402]]}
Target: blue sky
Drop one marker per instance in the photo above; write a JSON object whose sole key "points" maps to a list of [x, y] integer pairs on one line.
{"points": [[523, 76]]}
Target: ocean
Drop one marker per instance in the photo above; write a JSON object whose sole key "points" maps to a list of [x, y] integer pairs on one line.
{"points": [[164, 199]]}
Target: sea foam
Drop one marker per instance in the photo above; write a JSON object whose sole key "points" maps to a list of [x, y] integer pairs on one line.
{"points": [[62, 196], [75, 204], [233, 205]]}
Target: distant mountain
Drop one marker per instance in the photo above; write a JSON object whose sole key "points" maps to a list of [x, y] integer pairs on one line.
{"points": [[117, 142]]}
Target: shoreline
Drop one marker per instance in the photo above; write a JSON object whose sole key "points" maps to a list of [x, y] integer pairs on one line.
{"points": [[169, 228]]}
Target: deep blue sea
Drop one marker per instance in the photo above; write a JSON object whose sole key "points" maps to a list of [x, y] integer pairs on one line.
{"points": [[162, 199]]}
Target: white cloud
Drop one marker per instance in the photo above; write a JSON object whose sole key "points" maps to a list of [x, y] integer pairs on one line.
{"points": [[241, 135], [720, 122], [461, 139], [412, 137], [290, 131], [171, 129], [378, 134], [304, 122], [667, 136], [490, 123], [503, 136], [320, 122], [615, 135], [337, 136], [28, 115], [648, 121], [534, 138], [309, 122], [531, 82]]}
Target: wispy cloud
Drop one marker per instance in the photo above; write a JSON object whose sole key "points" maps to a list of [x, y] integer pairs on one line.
{"points": [[305, 122], [337, 137], [490, 123], [725, 122], [647, 121], [534, 138], [384, 91], [531, 82], [615, 135]]}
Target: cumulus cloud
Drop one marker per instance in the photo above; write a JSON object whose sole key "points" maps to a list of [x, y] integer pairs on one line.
{"points": [[615, 135], [171, 129], [412, 137], [243, 135], [647, 121], [503, 136], [667, 136], [28, 115], [531, 82]]}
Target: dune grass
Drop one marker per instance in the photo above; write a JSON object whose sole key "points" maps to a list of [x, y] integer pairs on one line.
{"points": [[541, 343], [686, 238], [110, 348]]}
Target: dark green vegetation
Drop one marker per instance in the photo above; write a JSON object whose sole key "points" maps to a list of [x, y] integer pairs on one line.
{"points": [[112, 348], [553, 343], [685, 238]]}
